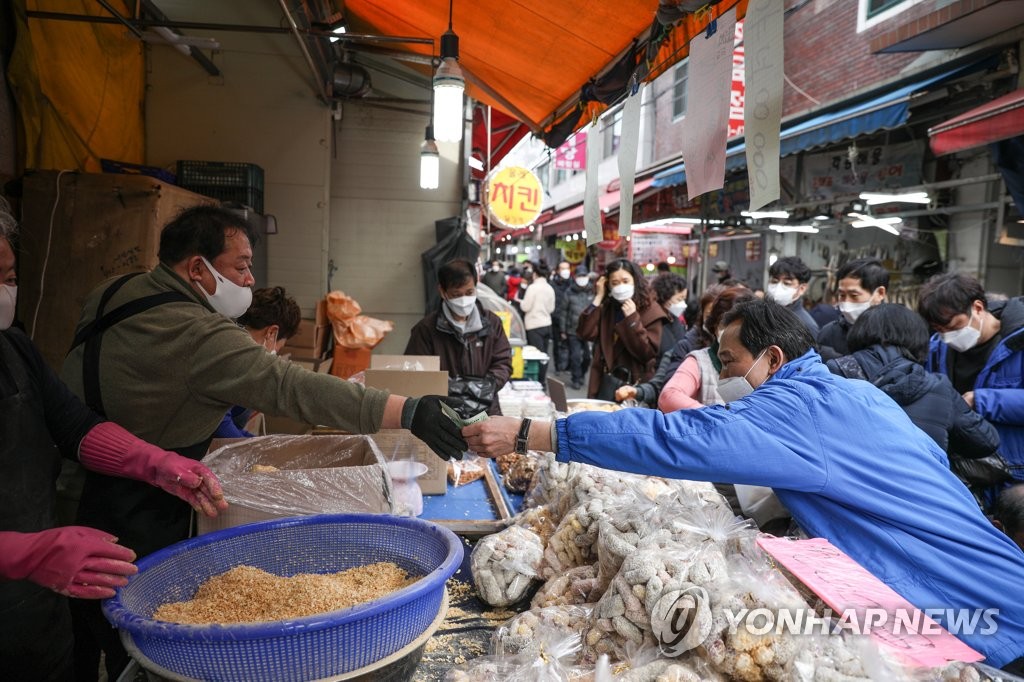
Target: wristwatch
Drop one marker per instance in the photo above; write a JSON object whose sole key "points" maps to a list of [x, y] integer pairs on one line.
{"points": [[523, 436]]}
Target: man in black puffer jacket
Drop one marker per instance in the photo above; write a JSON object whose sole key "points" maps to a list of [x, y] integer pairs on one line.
{"points": [[888, 343]]}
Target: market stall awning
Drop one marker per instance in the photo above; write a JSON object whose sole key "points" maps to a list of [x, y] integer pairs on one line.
{"points": [[881, 112], [532, 58], [505, 134], [1000, 119]]}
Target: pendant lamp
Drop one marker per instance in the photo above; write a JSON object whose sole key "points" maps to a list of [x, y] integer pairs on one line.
{"points": [[449, 85], [430, 162]]}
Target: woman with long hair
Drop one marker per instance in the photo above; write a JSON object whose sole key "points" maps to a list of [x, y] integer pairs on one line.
{"points": [[625, 322]]}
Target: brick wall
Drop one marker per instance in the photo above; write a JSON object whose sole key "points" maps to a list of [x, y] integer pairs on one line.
{"points": [[826, 58]]}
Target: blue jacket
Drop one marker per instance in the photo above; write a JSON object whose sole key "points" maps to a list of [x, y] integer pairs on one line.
{"points": [[851, 467], [999, 388]]}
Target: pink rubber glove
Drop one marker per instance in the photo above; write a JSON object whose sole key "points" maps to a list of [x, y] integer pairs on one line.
{"points": [[109, 449], [72, 560]]}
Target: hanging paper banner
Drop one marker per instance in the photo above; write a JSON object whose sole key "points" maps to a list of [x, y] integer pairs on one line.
{"points": [[738, 88], [707, 116], [572, 155], [763, 99], [514, 196], [591, 207], [629, 142]]}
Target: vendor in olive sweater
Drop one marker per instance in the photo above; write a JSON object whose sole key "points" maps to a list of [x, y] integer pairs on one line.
{"points": [[166, 361]]}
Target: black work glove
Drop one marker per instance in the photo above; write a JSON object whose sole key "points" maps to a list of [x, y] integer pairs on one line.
{"points": [[423, 416]]}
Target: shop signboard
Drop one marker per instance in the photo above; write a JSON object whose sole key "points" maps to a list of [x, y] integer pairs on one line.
{"points": [[572, 155], [840, 172], [514, 196]]}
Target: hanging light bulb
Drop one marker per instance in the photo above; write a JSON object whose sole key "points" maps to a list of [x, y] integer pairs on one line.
{"points": [[449, 85], [430, 162]]}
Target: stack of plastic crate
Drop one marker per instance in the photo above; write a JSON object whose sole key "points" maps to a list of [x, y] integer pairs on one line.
{"points": [[224, 180]]}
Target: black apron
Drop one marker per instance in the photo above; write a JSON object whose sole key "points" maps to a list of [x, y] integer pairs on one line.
{"points": [[143, 517], [35, 624]]}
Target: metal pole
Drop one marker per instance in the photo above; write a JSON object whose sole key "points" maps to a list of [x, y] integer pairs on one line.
{"points": [[318, 82]]}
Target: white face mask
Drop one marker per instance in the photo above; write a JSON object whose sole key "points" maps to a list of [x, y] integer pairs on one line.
{"points": [[851, 311], [495, 268], [582, 281], [676, 309], [228, 299], [8, 299], [622, 292], [734, 388], [963, 339], [782, 294], [564, 274], [461, 306]]}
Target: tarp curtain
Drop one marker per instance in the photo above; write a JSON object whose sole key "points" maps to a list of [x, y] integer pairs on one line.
{"points": [[78, 87]]}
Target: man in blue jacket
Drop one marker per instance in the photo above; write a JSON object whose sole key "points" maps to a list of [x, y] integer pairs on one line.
{"points": [[980, 347], [841, 456]]}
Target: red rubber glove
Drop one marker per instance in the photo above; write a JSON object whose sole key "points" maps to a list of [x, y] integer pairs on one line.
{"points": [[109, 449], [72, 560]]}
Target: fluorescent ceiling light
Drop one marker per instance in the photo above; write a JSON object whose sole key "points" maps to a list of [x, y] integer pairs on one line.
{"points": [[887, 224], [822, 217], [809, 229], [759, 215], [874, 198], [338, 31], [475, 163]]}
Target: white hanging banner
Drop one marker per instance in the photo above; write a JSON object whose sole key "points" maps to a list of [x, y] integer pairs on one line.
{"points": [[591, 207], [707, 107], [762, 115], [629, 143]]}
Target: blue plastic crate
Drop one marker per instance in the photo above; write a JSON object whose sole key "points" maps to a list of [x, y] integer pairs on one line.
{"points": [[313, 647]]}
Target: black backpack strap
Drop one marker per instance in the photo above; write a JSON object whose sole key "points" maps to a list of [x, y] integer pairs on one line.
{"points": [[92, 334], [850, 368]]}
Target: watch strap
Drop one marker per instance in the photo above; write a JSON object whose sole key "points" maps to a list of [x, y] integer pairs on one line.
{"points": [[523, 436]]}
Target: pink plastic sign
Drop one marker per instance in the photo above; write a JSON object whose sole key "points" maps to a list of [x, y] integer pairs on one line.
{"points": [[864, 603]]}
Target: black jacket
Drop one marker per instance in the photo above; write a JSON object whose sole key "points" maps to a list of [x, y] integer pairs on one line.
{"points": [[482, 353], [832, 339], [929, 399], [562, 288], [577, 299]]}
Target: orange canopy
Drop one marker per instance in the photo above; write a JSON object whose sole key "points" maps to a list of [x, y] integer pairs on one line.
{"points": [[530, 58]]}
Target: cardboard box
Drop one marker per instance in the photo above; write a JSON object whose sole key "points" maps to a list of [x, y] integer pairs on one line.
{"points": [[349, 361], [414, 384], [310, 341], [317, 475], [417, 363]]}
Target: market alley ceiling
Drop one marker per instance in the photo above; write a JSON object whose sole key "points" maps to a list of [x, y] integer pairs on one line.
{"points": [[531, 58]]}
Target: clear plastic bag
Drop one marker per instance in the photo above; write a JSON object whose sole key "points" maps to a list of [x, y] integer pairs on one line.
{"points": [[553, 662], [634, 519], [573, 587], [552, 485], [302, 475], [505, 565], [574, 541], [527, 632], [538, 520], [470, 468]]}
